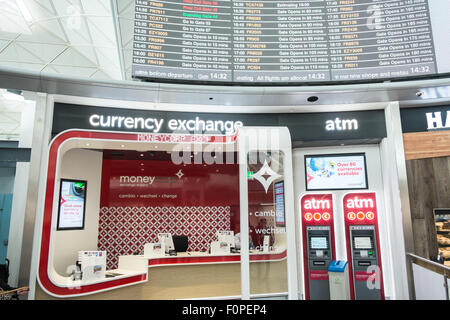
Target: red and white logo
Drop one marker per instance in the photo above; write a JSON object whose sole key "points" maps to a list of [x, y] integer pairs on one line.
{"points": [[317, 208], [360, 207]]}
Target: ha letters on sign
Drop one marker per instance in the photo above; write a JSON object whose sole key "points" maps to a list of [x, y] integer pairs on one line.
{"points": [[435, 120]]}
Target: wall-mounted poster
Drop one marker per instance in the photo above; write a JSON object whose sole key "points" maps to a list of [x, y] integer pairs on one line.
{"points": [[72, 204], [336, 172]]}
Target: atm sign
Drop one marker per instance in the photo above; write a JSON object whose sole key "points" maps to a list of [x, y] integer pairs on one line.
{"points": [[317, 208], [360, 207]]}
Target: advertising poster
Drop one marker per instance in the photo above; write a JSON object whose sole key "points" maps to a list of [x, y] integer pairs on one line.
{"points": [[336, 172], [72, 204]]}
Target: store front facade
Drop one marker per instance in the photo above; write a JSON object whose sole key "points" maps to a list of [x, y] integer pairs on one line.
{"points": [[156, 171]]}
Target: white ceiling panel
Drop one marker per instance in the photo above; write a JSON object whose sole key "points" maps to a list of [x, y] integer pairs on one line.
{"points": [[11, 18], [76, 70], [70, 37], [35, 67], [72, 57]]}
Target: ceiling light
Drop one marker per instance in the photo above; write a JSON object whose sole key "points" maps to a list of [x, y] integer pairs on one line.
{"points": [[24, 10]]}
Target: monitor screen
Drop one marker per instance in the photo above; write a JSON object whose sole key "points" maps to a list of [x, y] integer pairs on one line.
{"points": [[363, 243], [279, 204], [335, 172], [271, 41], [72, 204], [180, 243], [319, 243]]}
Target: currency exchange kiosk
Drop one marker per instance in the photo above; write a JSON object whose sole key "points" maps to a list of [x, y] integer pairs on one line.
{"points": [[363, 246], [318, 244]]}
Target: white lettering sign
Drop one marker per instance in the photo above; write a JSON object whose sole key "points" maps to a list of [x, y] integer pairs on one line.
{"points": [[155, 125], [436, 121], [317, 204], [338, 124], [359, 203]]}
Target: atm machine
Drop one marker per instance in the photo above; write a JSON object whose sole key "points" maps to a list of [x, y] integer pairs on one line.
{"points": [[318, 243], [363, 248]]}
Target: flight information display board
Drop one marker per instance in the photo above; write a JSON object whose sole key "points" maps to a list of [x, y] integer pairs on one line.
{"points": [[268, 41]]}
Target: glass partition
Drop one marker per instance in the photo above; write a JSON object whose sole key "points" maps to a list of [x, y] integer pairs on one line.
{"points": [[268, 258], [267, 223]]}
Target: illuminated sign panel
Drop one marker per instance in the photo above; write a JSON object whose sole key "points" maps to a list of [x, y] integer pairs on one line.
{"points": [[72, 204], [335, 172], [317, 209], [269, 41]]}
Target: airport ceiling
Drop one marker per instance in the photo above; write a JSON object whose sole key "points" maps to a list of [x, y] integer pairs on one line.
{"points": [[82, 38]]}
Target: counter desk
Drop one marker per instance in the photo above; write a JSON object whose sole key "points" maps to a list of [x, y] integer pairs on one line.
{"points": [[186, 275]]}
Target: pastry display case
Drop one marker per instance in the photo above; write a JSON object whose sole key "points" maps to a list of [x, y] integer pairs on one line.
{"points": [[442, 222]]}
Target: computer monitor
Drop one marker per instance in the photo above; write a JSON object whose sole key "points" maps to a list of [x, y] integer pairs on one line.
{"points": [[226, 236], [180, 243], [167, 239]]}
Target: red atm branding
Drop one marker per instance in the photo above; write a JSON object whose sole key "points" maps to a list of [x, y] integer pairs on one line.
{"points": [[317, 209], [360, 208]]}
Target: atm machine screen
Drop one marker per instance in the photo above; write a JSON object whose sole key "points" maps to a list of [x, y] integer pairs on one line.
{"points": [[363, 243], [319, 243]]}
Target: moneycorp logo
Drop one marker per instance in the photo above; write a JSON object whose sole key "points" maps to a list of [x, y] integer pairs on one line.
{"points": [[155, 125], [137, 179]]}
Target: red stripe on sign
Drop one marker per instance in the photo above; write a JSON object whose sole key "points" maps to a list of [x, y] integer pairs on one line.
{"points": [[365, 276], [318, 275]]}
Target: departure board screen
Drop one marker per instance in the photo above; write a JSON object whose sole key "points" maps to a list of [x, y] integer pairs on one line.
{"points": [[296, 41]]}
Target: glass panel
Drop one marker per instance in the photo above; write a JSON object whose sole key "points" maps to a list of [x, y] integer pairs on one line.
{"points": [[267, 222]]}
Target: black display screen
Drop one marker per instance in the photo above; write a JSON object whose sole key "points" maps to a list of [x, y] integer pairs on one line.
{"points": [[296, 41], [72, 204]]}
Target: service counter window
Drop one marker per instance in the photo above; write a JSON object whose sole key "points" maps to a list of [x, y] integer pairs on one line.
{"points": [[146, 196], [124, 211]]}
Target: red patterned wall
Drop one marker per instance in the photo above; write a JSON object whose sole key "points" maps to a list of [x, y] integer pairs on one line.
{"points": [[193, 200]]}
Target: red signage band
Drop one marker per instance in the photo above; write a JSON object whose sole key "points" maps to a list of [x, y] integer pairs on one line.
{"points": [[318, 275], [360, 208], [316, 210], [184, 138], [366, 276]]}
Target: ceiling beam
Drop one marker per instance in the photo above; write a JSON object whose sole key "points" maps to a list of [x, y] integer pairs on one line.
{"points": [[118, 36]]}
